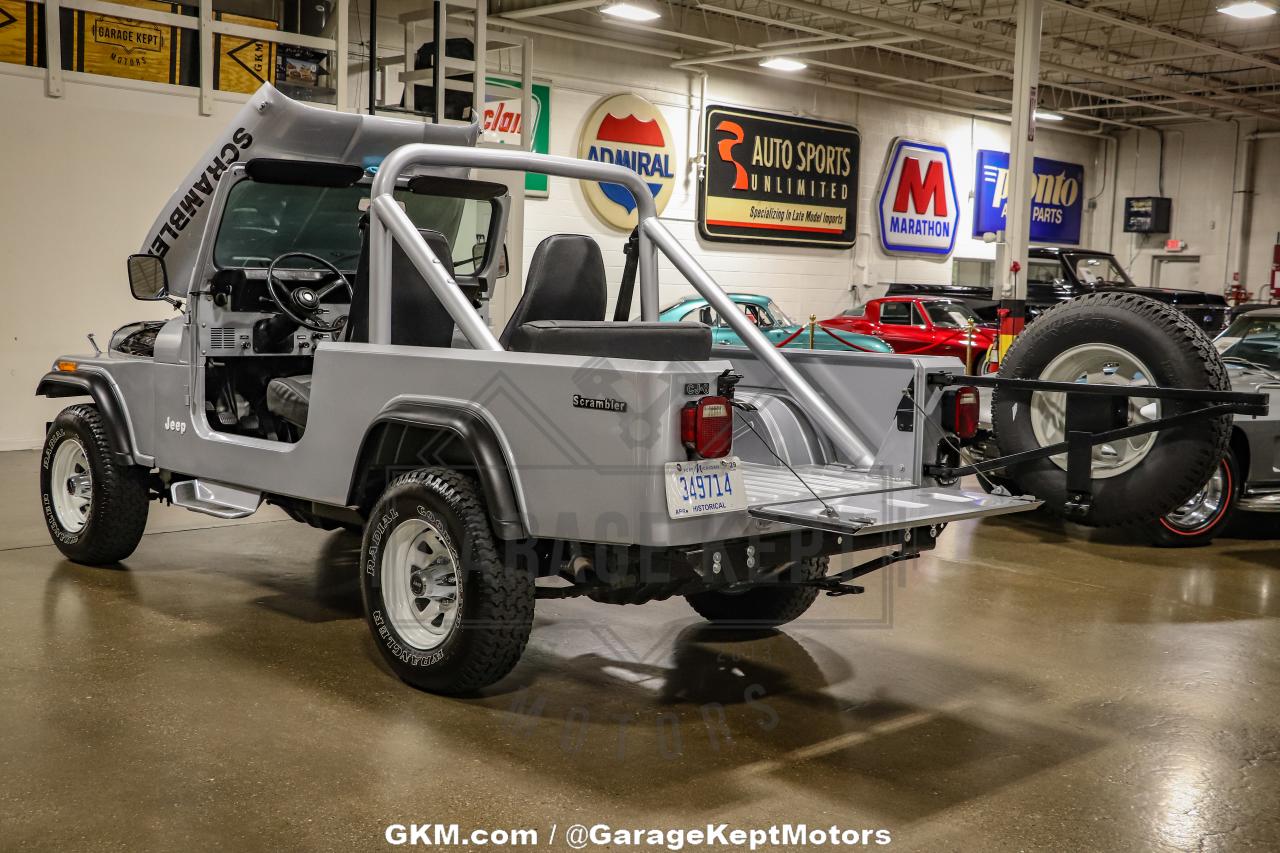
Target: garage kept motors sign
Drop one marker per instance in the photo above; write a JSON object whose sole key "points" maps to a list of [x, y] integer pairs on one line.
{"points": [[1057, 203], [778, 179], [918, 207]]}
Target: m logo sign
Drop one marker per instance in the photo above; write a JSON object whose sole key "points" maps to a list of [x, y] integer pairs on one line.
{"points": [[919, 209]]}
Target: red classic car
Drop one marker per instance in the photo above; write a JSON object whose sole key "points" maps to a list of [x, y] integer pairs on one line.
{"points": [[919, 325]]}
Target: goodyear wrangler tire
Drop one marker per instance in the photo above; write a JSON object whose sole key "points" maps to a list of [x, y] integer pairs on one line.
{"points": [[446, 614], [763, 606], [1114, 338], [94, 507]]}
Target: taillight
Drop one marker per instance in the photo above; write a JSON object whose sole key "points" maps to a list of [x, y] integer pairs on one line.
{"points": [[960, 409], [706, 427]]}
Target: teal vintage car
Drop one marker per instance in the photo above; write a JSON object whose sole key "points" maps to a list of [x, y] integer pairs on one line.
{"points": [[771, 320]]}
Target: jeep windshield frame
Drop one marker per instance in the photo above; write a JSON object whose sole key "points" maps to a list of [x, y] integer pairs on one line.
{"points": [[262, 220]]}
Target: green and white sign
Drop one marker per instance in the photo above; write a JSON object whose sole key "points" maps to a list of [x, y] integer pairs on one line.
{"points": [[503, 121]]}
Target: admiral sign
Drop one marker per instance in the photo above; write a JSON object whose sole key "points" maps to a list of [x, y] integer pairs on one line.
{"points": [[778, 179], [1057, 199], [919, 209], [629, 131]]}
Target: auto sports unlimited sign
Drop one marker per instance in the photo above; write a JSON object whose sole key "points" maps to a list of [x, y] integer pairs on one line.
{"points": [[919, 209], [628, 131], [778, 179], [1057, 201]]}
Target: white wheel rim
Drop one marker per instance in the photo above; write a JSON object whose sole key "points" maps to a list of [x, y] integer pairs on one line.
{"points": [[1095, 364], [1203, 506], [420, 583], [71, 485]]}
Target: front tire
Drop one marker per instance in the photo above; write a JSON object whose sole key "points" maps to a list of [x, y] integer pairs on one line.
{"points": [[763, 606], [94, 507], [1206, 513], [446, 614]]}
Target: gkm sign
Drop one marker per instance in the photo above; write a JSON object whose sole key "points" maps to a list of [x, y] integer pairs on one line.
{"points": [[919, 209], [629, 131]]}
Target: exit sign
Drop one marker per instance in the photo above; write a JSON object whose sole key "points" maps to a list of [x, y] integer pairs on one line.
{"points": [[1174, 245]]}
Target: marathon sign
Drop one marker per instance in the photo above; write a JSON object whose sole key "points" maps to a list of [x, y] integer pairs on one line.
{"points": [[778, 179], [919, 208], [1057, 198]]}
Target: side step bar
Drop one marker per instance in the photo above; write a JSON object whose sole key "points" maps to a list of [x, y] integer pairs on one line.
{"points": [[212, 498]]}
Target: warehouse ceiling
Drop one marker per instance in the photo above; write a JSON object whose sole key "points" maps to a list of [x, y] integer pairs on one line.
{"points": [[1105, 64]]}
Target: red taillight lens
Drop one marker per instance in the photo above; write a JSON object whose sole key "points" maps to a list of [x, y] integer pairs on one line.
{"points": [[706, 427], [965, 409]]}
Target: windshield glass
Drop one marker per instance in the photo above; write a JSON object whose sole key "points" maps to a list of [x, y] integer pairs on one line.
{"points": [[1094, 269], [263, 221], [950, 314], [1252, 339], [780, 317]]}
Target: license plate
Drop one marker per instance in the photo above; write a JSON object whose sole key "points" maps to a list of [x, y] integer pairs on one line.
{"points": [[705, 487]]}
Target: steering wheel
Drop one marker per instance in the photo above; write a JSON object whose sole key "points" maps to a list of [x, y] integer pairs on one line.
{"points": [[302, 305]]}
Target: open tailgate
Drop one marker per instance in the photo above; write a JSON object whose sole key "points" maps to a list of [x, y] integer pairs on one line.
{"points": [[861, 504]]}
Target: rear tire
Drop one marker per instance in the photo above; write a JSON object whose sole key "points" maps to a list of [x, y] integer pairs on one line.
{"points": [[446, 614], [1206, 513], [1113, 338], [94, 507], [763, 606]]}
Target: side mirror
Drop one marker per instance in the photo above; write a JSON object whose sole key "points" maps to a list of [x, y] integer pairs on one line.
{"points": [[147, 278], [504, 263], [705, 316]]}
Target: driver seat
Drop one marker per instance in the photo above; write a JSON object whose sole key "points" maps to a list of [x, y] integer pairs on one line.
{"points": [[417, 319]]}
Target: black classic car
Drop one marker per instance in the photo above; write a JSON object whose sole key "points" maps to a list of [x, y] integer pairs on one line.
{"points": [[1056, 275]]}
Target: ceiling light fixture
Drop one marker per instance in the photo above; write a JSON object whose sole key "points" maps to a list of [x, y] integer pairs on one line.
{"points": [[1041, 115], [631, 12], [782, 63], [1249, 10]]}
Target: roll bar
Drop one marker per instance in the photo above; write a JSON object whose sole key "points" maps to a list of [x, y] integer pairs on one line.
{"points": [[387, 222]]}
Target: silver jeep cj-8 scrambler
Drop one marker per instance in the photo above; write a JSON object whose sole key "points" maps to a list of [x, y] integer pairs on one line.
{"points": [[329, 358]]}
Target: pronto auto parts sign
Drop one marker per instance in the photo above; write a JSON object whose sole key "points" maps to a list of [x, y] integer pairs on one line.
{"points": [[628, 131], [919, 209], [778, 179], [1057, 199]]}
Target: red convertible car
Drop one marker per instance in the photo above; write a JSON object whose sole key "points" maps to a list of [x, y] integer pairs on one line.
{"points": [[919, 325]]}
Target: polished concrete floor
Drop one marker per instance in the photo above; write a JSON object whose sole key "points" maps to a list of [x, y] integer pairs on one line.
{"points": [[1018, 689]]}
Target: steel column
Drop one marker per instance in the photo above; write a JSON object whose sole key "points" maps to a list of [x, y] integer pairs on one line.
{"points": [[1022, 147]]}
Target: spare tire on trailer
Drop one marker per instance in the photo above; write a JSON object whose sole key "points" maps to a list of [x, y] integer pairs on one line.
{"points": [[1116, 339]]}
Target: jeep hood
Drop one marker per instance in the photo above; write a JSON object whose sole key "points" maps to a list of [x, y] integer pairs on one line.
{"points": [[273, 126]]}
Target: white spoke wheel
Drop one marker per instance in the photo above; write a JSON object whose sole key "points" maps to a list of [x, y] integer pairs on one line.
{"points": [[72, 485], [94, 503], [420, 583], [1095, 364], [1116, 339], [447, 615]]}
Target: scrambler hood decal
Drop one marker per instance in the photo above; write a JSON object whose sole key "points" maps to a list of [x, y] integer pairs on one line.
{"points": [[272, 125]]}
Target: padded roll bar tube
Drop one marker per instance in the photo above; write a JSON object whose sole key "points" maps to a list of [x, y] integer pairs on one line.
{"points": [[388, 220], [811, 400]]}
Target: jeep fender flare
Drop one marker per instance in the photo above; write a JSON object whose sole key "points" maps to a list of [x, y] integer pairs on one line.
{"points": [[95, 385], [425, 433]]}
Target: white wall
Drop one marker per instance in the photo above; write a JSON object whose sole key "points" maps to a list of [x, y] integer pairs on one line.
{"points": [[89, 170], [85, 175], [804, 281]]}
